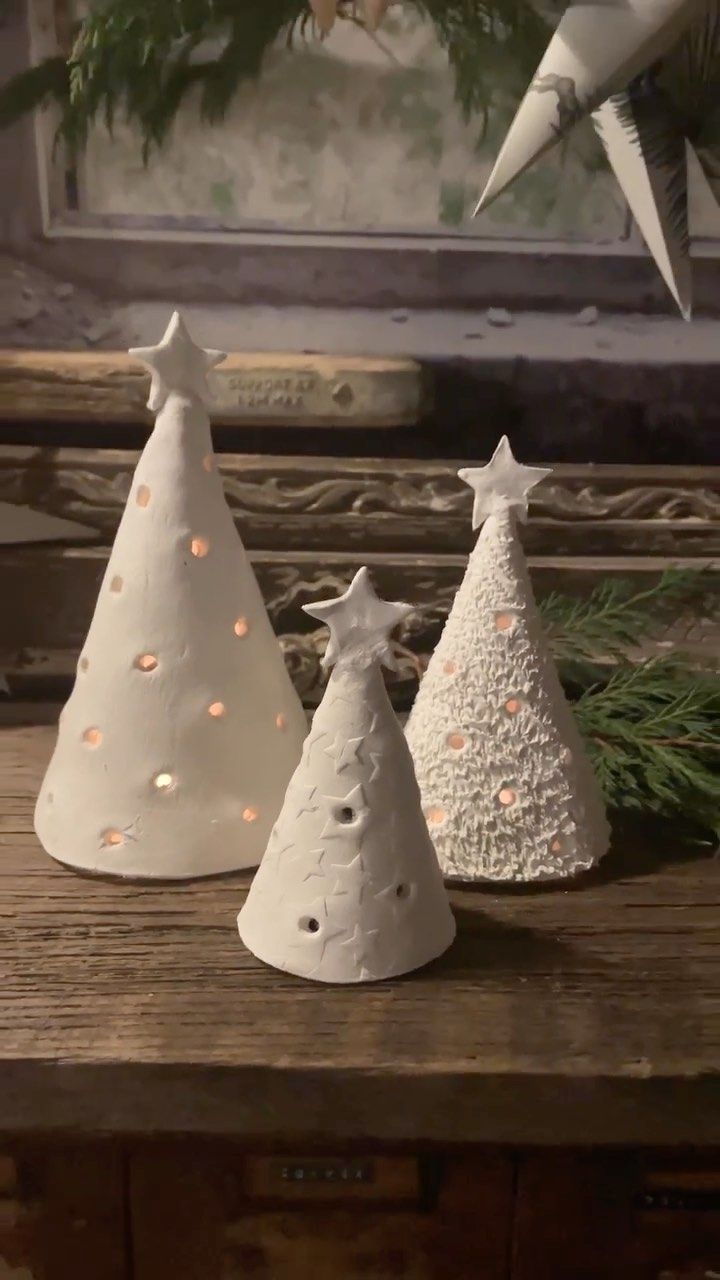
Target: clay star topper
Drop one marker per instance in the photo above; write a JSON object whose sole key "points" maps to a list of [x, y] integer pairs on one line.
{"points": [[178, 365], [502, 485], [360, 624]]}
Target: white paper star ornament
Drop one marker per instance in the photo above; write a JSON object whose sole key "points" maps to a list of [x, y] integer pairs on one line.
{"points": [[178, 365], [502, 485], [360, 624]]}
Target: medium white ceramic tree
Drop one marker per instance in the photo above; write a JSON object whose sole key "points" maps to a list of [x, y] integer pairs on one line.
{"points": [[183, 728], [350, 889], [507, 788]]}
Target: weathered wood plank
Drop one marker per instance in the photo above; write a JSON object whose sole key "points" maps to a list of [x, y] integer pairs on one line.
{"points": [[263, 389], [581, 1015], [342, 504]]}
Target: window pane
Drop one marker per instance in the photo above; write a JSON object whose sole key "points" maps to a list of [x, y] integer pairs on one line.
{"points": [[358, 133]]}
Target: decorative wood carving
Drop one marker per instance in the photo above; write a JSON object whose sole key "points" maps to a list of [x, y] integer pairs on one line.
{"points": [[399, 505]]}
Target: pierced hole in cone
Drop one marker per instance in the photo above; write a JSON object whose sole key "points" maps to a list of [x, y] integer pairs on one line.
{"points": [[142, 497], [556, 846], [504, 621], [281, 721], [435, 815], [310, 924], [512, 706], [112, 838], [93, 737], [207, 462], [49, 797], [83, 664], [450, 668], [116, 585], [217, 710], [163, 781], [199, 547], [402, 891], [346, 814], [457, 741], [241, 627], [146, 662], [250, 814], [507, 796]]}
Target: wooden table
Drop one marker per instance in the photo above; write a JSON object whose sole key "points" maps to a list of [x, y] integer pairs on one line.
{"points": [[587, 1016]]}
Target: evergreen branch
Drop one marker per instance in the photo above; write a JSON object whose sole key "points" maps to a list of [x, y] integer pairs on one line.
{"points": [[139, 57], [653, 732], [616, 618]]}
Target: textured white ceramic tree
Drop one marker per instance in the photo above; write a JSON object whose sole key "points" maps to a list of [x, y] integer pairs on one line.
{"points": [[350, 889], [597, 49], [183, 728], [507, 789]]}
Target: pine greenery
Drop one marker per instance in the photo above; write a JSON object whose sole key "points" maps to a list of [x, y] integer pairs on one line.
{"points": [[141, 57]]}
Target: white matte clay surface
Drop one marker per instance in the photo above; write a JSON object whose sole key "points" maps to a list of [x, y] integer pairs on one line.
{"points": [[183, 728], [598, 48], [350, 889], [507, 789]]}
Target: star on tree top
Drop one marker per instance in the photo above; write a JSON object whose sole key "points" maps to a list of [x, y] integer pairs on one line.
{"points": [[177, 364], [502, 485], [360, 624]]}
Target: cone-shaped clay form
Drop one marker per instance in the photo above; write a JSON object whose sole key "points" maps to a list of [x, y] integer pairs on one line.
{"points": [[645, 145], [597, 49], [183, 728], [350, 889], [507, 789]]}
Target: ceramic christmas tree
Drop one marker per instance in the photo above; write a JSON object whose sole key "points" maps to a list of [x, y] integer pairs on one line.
{"points": [[507, 789], [350, 889], [597, 50], [183, 728]]}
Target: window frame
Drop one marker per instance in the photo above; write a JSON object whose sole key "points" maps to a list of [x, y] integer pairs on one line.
{"points": [[297, 267]]}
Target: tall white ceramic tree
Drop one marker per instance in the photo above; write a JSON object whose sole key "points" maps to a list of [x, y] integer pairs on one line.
{"points": [[350, 889], [508, 791], [183, 728]]}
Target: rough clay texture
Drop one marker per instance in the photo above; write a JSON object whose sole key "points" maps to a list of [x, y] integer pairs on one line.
{"points": [[178, 769], [508, 791], [350, 889]]}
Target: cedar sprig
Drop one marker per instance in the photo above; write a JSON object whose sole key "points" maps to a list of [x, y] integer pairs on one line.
{"points": [[618, 618], [140, 58], [653, 731]]}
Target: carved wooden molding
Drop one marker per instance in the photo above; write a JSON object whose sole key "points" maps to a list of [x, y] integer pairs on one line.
{"points": [[398, 505], [265, 390]]}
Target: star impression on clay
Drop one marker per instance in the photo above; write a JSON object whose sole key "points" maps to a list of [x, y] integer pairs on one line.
{"points": [[177, 364], [360, 623], [502, 485]]}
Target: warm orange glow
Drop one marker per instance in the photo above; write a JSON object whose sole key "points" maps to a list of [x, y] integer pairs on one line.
{"points": [[503, 621], [93, 737], [146, 662], [512, 706], [507, 796], [250, 814], [200, 547], [112, 838], [435, 815], [241, 627], [450, 668], [142, 497], [556, 846], [216, 709], [281, 721], [116, 585], [207, 462], [456, 741]]}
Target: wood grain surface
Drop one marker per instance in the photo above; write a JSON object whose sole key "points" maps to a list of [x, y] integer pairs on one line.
{"points": [[585, 1014], [251, 389]]}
